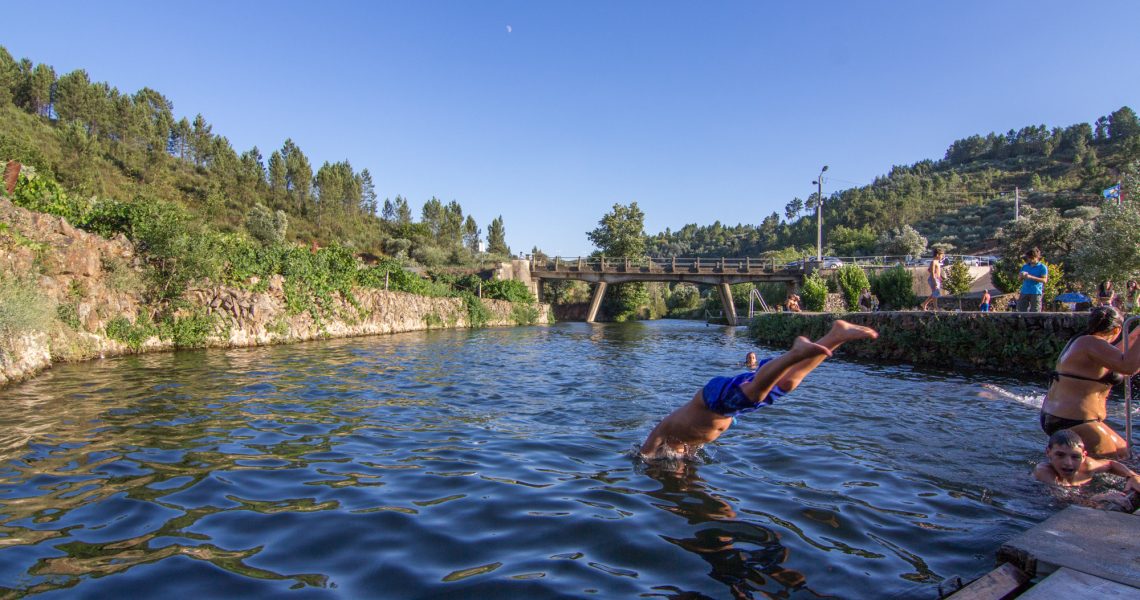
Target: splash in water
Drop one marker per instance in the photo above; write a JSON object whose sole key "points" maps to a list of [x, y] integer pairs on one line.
{"points": [[996, 392]]}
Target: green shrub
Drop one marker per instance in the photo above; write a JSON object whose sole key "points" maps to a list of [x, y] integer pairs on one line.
{"points": [[478, 315], [852, 281], [1055, 283], [190, 331], [510, 290], [685, 298], [266, 226], [1003, 275], [132, 334], [957, 279], [69, 314], [22, 308], [524, 314], [814, 293], [894, 288], [107, 218], [43, 194]]}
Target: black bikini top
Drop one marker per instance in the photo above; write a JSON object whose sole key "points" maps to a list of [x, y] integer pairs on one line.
{"points": [[1110, 379]]}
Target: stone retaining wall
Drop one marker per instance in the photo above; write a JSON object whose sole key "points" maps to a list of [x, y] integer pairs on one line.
{"points": [[1022, 343]]}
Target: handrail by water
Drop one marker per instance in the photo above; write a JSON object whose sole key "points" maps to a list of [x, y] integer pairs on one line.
{"points": [[1127, 392], [752, 297]]}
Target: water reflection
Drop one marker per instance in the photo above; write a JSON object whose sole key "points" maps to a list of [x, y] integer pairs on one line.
{"points": [[743, 556]]}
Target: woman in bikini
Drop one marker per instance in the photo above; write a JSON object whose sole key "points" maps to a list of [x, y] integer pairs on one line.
{"points": [[1086, 371]]}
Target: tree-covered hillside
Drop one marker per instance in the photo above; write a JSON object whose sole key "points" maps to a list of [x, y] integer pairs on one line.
{"points": [[98, 141], [960, 201]]}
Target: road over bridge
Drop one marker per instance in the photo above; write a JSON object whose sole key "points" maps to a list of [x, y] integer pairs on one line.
{"points": [[720, 272]]}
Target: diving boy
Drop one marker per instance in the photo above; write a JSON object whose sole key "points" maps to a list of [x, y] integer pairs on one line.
{"points": [[712, 409]]}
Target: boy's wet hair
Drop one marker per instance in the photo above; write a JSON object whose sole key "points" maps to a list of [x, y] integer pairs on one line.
{"points": [[1066, 437]]}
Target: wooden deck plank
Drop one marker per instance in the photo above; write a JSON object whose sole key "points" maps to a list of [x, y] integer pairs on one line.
{"points": [[1000, 583], [1067, 583], [1096, 542]]}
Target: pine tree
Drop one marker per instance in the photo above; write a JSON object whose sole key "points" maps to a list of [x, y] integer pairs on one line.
{"points": [[497, 237], [367, 193]]}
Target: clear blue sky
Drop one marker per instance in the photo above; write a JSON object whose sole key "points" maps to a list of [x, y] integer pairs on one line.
{"points": [[549, 113]]}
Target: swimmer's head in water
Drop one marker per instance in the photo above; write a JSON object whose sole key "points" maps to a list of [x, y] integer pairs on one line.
{"points": [[1067, 438], [1066, 452], [750, 358]]}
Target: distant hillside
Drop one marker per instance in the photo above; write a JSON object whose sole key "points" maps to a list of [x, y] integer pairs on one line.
{"points": [[960, 200], [97, 141]]}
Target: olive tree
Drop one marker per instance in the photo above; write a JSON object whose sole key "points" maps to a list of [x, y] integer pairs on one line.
{"points": [[1114, 251], [902, 242]]}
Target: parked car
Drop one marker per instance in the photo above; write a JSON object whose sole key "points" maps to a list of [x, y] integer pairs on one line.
{"points": [[828, 262]]}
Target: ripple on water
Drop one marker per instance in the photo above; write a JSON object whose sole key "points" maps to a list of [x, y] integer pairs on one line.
{"points": [[496, 463]]}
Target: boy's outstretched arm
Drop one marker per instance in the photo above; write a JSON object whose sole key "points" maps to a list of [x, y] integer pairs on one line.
{"points": [[1132, 480]]}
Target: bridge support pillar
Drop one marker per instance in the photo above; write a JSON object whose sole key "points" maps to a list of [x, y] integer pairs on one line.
{"points": [[726, 302], [596, 302]]}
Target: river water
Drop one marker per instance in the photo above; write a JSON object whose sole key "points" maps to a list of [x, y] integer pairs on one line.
{"points": [[497, 463]]}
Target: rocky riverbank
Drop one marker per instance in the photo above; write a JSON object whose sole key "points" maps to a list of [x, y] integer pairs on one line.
{"points": [[62, 289]]}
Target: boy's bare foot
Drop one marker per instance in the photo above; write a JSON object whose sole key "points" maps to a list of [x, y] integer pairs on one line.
{"points": [[804, 348], [849, 332]]}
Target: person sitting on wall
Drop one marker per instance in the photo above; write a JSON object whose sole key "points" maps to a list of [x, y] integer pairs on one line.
{"points": [[866, 301], [1068, 465], [1105, 294], [715, 406], [793, 303]]}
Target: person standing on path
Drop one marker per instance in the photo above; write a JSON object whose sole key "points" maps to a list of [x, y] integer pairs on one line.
{"points": [[934, 278], [1033, 276]]}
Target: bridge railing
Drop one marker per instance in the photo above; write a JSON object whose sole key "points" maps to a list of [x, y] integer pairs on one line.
{"points": [[648, 264]]}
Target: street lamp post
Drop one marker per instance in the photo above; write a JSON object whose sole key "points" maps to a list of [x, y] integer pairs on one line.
{"points": [[819, 216]]}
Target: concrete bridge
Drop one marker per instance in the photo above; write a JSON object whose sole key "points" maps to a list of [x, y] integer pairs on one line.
{"points": [[720, 272]]}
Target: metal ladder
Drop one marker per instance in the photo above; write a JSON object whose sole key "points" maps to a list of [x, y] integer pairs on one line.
{"points": [[753, 297], [1128, 391]]}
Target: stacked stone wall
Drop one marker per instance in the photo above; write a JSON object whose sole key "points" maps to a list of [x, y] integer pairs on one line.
{"points": [[1021, 343]]}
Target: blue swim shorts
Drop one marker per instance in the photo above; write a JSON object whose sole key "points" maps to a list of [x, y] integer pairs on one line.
{"points": [[722, 395]]}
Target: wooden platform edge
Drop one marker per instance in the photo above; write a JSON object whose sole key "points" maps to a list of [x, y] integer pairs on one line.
{"points": [[1006, 581]]}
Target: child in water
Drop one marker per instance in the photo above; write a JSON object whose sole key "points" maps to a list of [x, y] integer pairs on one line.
{"points": [[711, 411], [1069, 465]]}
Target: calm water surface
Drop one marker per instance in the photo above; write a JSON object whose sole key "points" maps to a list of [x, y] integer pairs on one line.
{"points": [[497, 463]]}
